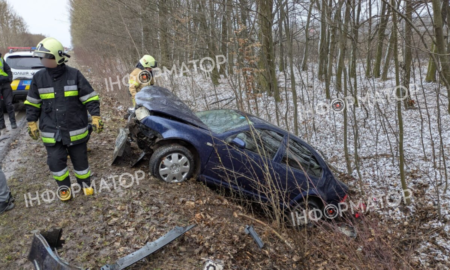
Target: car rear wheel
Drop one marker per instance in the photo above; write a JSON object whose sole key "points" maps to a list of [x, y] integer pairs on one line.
{"points": [[172, 163], [306, 213]]}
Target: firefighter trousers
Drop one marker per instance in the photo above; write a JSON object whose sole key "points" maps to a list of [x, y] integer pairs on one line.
{"points": [[57, 162]]}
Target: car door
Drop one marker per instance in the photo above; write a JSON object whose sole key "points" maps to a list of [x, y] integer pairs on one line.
{"points": [[247, 169], [298, 168]]}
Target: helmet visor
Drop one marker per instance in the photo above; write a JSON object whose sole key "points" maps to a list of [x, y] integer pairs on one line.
{"points": [[43, 55]]}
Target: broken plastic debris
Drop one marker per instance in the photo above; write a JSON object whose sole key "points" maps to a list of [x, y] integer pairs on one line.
{"points": [[251, 231]]}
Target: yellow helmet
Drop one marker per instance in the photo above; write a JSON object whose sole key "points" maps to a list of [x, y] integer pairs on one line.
{"points": [[148, 61], [52, 49]]}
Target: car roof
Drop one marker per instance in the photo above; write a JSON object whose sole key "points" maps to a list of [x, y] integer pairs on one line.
{"points": [[19, 53]]}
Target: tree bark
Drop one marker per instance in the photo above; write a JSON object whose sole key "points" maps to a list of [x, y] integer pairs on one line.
{"points": [[381, 29], [342, 46], [440, 45], [305, 52], [399, 106], [267, 78]]}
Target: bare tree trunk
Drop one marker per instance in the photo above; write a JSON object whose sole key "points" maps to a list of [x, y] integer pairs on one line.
{"points": [[332, 45], [399, 106], [388, 56], [323, 39], [408, 51], [291, 66], [305, 53], [229, 55], [384, 17], [267, 78], [280, 35], [212, 42], [347, 156], [440, 45], [355, 37], [342, 46], [369, 41], [163, 40], [224, 34], [431, 71]]}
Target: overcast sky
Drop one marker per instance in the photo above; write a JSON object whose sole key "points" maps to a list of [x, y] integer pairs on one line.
{"points": [[47, 17]]}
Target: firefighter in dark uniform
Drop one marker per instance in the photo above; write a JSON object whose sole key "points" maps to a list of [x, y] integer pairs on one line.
{"points": [[60, 98], [6, 78]]}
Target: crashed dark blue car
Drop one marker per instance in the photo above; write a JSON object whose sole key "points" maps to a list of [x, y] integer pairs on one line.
{"points": [[231, 149]]}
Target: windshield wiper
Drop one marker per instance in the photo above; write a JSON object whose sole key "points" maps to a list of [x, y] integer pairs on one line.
{"points": [[35, 67]]}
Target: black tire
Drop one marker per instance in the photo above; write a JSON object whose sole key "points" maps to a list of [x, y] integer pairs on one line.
{"points": [[177, 172], [310, 208]]}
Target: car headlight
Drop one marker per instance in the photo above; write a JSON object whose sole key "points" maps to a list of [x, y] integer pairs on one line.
{"points": [[141, 113]]}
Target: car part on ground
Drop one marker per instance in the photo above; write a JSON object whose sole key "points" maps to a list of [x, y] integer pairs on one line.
{"points": [[148, 249], [348, 230], [172, 163], [252, 232], [122, 146], [43, 253]]}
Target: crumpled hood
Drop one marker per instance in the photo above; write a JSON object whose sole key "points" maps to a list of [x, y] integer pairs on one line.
{"points": [[161, 100]]}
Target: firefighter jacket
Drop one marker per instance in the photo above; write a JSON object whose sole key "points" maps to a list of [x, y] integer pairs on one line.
{"points": [[138, 80], [60, 99]]}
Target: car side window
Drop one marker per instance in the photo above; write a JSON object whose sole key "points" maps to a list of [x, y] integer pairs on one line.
{"points": [[299, 157], [261, 141]]}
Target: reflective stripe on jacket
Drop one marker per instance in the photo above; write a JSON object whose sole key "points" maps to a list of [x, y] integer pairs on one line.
{"points": [[2, 68]]}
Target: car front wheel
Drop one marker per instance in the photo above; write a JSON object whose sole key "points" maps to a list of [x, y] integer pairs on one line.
{"points": [[172, 163]]}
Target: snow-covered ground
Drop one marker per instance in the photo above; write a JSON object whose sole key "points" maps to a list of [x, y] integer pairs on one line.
{"points": [[377, 124]]}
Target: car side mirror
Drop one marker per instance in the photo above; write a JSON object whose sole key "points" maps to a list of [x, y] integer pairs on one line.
{"points": [[238, 142]]}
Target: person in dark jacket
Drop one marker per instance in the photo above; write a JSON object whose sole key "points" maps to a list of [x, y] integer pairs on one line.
{"points": [[60, 98], [6, 78]]}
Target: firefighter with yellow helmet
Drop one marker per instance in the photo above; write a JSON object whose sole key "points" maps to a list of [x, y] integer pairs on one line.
{"points": [[142, 75], [60, 97]]}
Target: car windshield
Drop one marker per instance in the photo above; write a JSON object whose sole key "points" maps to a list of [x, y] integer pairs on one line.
{"points": [[24, 62], [220, 121]]}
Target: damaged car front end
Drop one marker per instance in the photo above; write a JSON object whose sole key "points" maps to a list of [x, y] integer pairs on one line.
{"points": [[162, 123]]}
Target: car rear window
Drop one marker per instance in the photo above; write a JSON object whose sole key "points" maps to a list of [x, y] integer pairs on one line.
{"points": [[24, 62]]}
